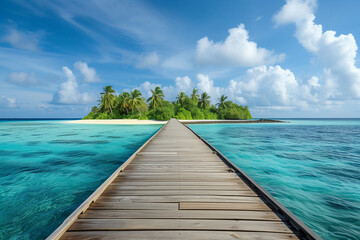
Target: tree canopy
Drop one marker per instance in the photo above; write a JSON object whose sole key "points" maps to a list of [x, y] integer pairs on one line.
{"points": [[131, 105]]}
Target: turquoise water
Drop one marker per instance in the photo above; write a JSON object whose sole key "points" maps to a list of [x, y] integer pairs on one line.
{"points": [[311, 166], [48, 168]]}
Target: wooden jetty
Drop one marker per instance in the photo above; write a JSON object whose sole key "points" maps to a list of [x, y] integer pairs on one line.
{"points": [[178, 186]]}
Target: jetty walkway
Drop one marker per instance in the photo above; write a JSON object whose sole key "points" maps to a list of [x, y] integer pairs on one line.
{"points": [[178, 187]]}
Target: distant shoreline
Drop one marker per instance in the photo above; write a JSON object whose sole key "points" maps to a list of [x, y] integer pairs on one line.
{"points": [[147, 122], [117, 121], [231, 121]]}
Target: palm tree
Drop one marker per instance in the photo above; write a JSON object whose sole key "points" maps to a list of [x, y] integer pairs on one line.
{"points": [[181, 98], [222, 100], [107, 98], [124, 101], [195, 95], [135, 100], [156, 98], [94, 109], [204, 101]]}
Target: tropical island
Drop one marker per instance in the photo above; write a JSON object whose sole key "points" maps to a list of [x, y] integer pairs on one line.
{"points": [[132, 105]]}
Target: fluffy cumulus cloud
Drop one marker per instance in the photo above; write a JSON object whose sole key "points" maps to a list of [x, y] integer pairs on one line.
{"points": [[68, 92], [236, 50], [337, 53], [22, 40], [273, 87], [22, 79], [206, 84], [148, 60], [183, 84], [7, 102], [88, 73], [169, 91]]}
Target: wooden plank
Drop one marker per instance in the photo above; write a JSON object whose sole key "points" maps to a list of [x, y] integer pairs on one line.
{"points": [[178, 183], [134, 206], [178, 224], [179, 198], [182, 214], [223, 206], [178, 187], [176, 235], [178, 192]]}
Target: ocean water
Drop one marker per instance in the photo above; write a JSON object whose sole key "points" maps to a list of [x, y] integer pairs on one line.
{"points": [[311, 166], [48, 168]]}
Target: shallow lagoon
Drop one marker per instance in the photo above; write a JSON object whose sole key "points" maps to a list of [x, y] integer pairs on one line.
{"points": [[311, 166], [48, 168]]}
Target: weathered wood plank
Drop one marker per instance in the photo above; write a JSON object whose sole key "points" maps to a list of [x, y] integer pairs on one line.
{"points": [[176, 235], [134, 206], [178, 198], [183, 214], [223, 206], [179, 183], [178, 224], [178, 187], [115, 192]]}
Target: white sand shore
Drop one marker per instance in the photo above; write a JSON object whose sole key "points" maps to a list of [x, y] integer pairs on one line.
{"points": [[117, 121]]}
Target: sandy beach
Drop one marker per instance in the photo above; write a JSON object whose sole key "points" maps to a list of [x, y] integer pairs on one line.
{"points": [[117, 121]]}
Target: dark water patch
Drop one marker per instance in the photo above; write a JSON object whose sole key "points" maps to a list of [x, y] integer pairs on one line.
{"points": [[5, 134], [36, 134], [78, 153], [33, 143], [58, 161], [340, 203], [94, 136], [7, 152], [79, 142], [344, 173], [68, 134], [35, 154], [114, 137], [306, 174], [139, 134]]}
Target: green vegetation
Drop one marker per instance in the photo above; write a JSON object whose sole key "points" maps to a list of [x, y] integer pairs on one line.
{"points": [[133, 106]]}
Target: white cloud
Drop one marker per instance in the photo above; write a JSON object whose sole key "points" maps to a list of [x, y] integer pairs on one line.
{"points": [[145, 88], [266, 86], [88, 72], [68, 92], [336, 53], [205, 84], [183, 84], [22, 79], [236, 50], [23, 40], [7, 102], [148, 60]]}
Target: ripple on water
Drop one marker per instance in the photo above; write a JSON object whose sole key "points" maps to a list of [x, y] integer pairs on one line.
{"points": [[36, 154], [78, 153], [58, 161], [114, 137], [33, 143], [79, 142], [67, 134]]}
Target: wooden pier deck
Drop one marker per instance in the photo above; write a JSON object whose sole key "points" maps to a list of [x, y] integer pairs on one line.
{"points": [[176, 187]]}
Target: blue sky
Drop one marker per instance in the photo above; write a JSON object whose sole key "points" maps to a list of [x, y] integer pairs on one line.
{"points": [[295, 58]]}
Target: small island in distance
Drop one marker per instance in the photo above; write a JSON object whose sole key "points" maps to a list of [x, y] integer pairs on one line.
{"points": [[132, 105]]}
